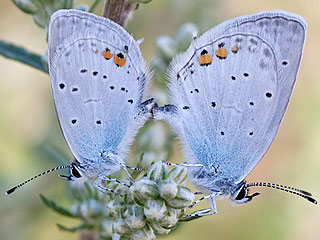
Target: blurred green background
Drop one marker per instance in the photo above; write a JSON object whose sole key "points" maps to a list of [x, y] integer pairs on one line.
{"points": [[29, 129]]}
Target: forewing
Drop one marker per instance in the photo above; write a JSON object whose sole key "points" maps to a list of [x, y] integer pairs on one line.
{"points": [[231, 89], [97, 78]]}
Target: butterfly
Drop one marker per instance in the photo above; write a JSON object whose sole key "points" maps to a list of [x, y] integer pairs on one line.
{"points": [[98, 79], [229, 93]]}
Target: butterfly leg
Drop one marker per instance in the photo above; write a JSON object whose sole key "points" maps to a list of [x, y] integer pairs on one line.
{"points": [[207, 211], [184, 164], [199, 200], [118, 160], [124, 167], [104, 177], [196, 193], [201, 213], [134, 168], [103, 189]]}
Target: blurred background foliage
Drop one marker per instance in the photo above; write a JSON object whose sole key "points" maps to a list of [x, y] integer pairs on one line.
{"points": [[31, 141]]}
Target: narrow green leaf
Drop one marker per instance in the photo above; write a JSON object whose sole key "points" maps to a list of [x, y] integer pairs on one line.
{"points": [[94, 5], [74, 229], [88, 190], [20, 54], [56, 208]]}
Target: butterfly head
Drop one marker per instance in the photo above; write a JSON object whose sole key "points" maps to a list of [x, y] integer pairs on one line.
{"points": [[240, 195], [75, 171]]}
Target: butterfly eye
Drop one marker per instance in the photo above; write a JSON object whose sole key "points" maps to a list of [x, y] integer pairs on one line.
{"points": [[75, 173], [241, 194]]}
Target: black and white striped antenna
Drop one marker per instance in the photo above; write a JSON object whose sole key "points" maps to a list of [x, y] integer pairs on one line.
{"points": [[301, 193], [33, 178]]}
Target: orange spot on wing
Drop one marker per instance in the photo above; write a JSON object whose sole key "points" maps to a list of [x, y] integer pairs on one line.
{"points": [[235, 49], [119, 60], [221, 53], [205, 58], [107, 54]]}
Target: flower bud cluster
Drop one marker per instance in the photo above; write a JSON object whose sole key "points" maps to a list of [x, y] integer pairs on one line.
{"points": [[160, 199]]}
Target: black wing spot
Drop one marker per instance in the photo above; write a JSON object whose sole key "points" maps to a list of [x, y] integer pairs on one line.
{"points": [[250, 133], [120, 55], [123, 89], [126, 47], [130, 101], [104, 76], [233, 77], [98, 122], [73, 121], [246, 74], [213, 104], [284, 63], [128, 72], [251, 103], [221, 45], [95, 73], [197, 90], [222, 133], [74, 89], [186, 107], [61, 86], [191, 91], [204, 52], [111, 87], [83, 70], [268, 94]]}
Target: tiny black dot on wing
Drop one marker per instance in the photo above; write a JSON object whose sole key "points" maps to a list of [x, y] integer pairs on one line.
{"points": [[203, 52], [268, 94], [120, 55]]}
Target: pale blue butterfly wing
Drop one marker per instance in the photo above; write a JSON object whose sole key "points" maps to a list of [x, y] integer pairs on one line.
{"points": [[230, 91], [97, 77]]}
